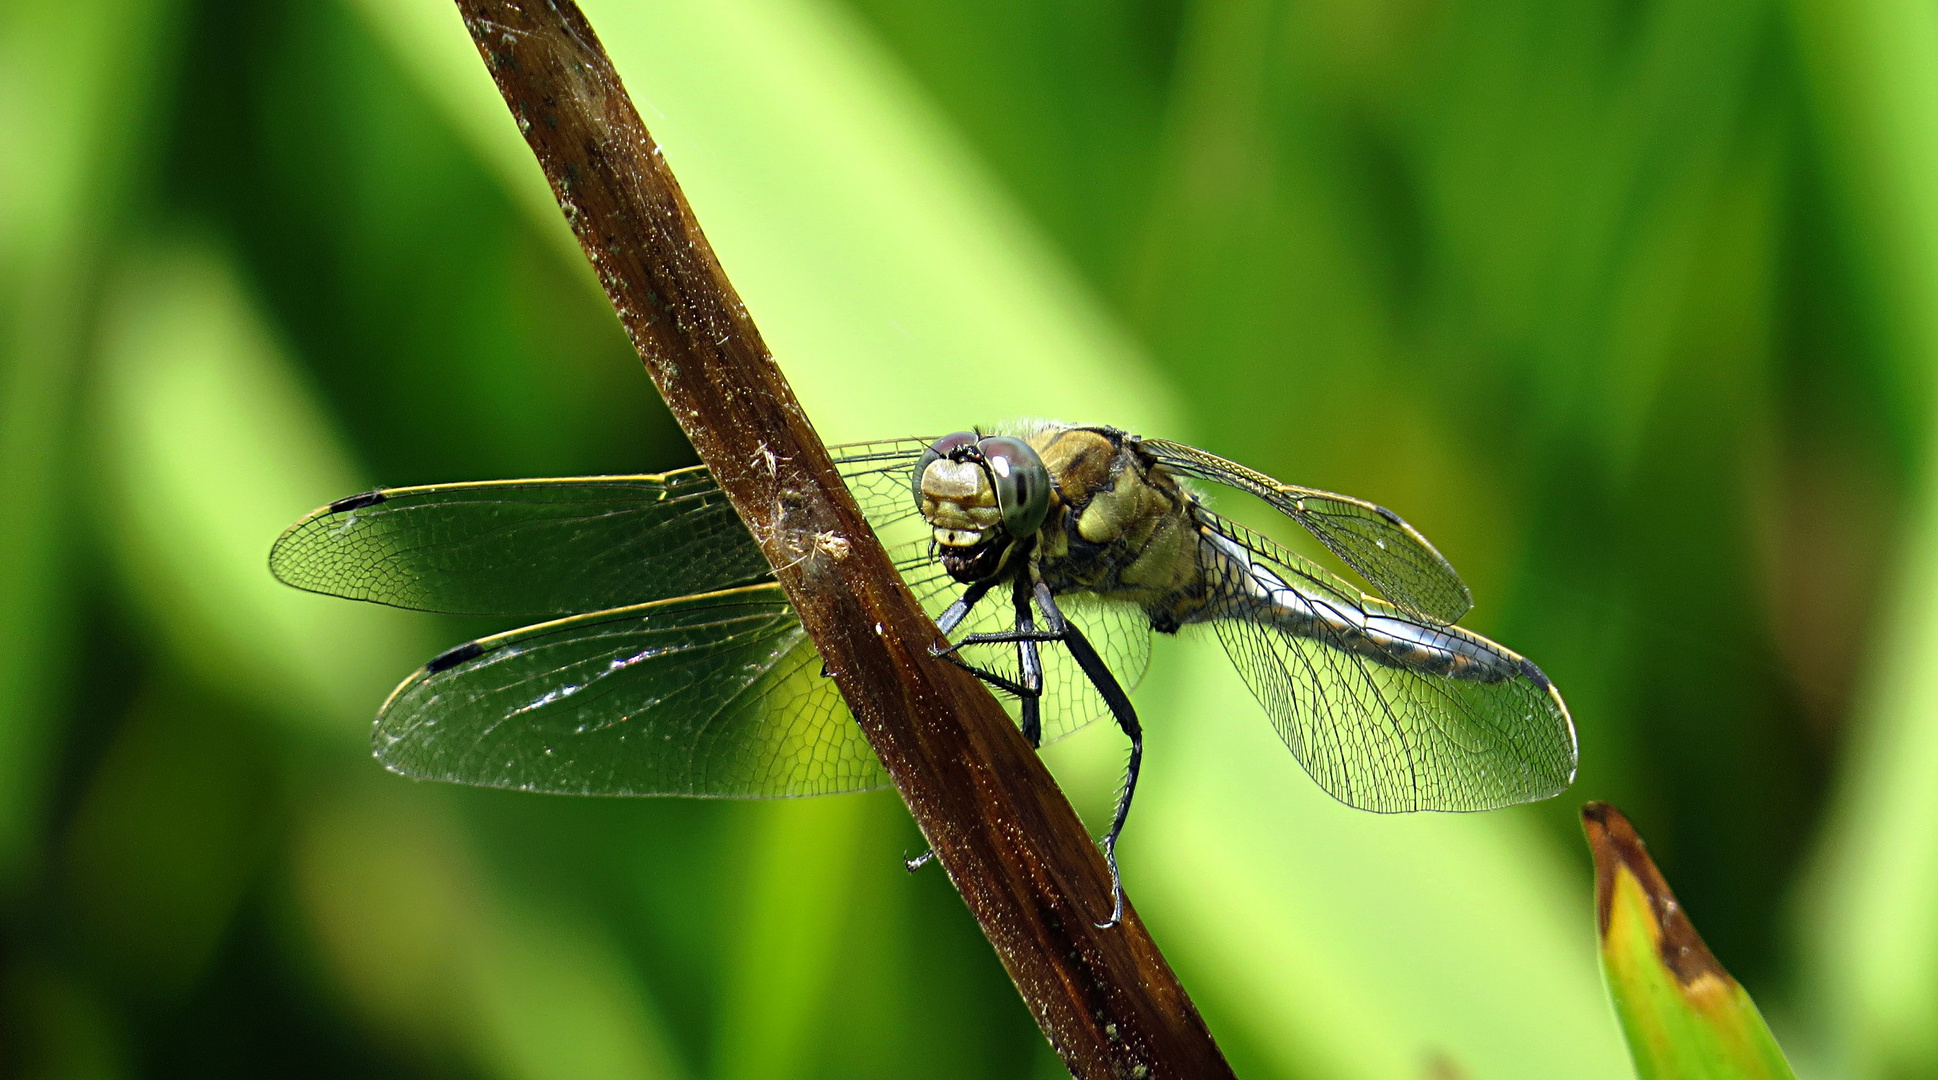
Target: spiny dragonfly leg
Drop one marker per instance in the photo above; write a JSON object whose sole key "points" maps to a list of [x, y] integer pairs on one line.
{"points": [[1100, 676], [1000, 637], [1000, 682], [1029, 689]]}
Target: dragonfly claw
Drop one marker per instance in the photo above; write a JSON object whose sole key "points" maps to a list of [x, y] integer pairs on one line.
{"points": [[1116, 887]]}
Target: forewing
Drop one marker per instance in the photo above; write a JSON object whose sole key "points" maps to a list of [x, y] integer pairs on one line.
{"points": [[881, 476], [705, 695], [1378, 730], [524, 547], [558, 546], [1120, 632], [1382, 548]]}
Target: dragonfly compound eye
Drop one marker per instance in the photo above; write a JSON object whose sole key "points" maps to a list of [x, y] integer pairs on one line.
{"points": [[946, 446], [1022, 483]]}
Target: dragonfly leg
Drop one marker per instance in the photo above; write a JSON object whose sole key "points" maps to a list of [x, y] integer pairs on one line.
{"points": [[1030, 663], [1000, 682], [1100, 676], [1001, 637], [959, 610], [1029, 689]]}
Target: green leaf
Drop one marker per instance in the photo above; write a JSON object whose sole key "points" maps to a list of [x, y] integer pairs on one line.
{"points": [[209, 443], [1686, 1018], [77, 94], [1867, 920], [430, 947]]}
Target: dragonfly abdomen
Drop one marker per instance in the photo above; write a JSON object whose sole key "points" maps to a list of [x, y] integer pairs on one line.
{"points": [[1442, 651], [1243, 589]]}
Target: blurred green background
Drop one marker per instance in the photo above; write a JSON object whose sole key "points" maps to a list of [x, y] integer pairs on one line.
{"points": [[1631, 305]]}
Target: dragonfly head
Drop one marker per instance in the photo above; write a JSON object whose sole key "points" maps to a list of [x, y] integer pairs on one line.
{"points": [[981, 495]]}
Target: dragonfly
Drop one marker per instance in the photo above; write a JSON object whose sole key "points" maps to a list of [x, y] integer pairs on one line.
{"points": [[668, 662]]}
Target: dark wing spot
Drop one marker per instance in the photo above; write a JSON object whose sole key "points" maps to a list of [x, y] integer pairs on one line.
{"points": [[451, 658], [1534, 674], [357, 502]]}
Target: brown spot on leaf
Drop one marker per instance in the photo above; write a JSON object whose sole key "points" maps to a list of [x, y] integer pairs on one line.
{"points": [[1617, 847]]}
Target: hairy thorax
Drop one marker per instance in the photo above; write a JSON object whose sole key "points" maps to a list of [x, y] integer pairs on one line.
{"points": [[1120, 526]]}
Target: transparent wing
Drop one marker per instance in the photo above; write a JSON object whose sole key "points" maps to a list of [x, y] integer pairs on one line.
{"points": [[523, 547], [554, 547], [1386, 711], [1120, 632], [720, 694], [1380, 547], [881, 477]]}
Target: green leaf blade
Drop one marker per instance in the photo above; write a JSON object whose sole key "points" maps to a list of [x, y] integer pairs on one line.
{"points": [[1685, 1016]]}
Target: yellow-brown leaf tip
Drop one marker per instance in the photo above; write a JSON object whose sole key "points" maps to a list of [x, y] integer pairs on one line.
{"points": [[1617, 848]]}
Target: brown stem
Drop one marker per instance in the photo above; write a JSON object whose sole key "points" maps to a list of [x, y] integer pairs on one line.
{"points": [[1028, 871]]}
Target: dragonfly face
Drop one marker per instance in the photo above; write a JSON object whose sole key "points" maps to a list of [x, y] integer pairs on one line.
{"points": [[985, 499], [671, 664]]}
